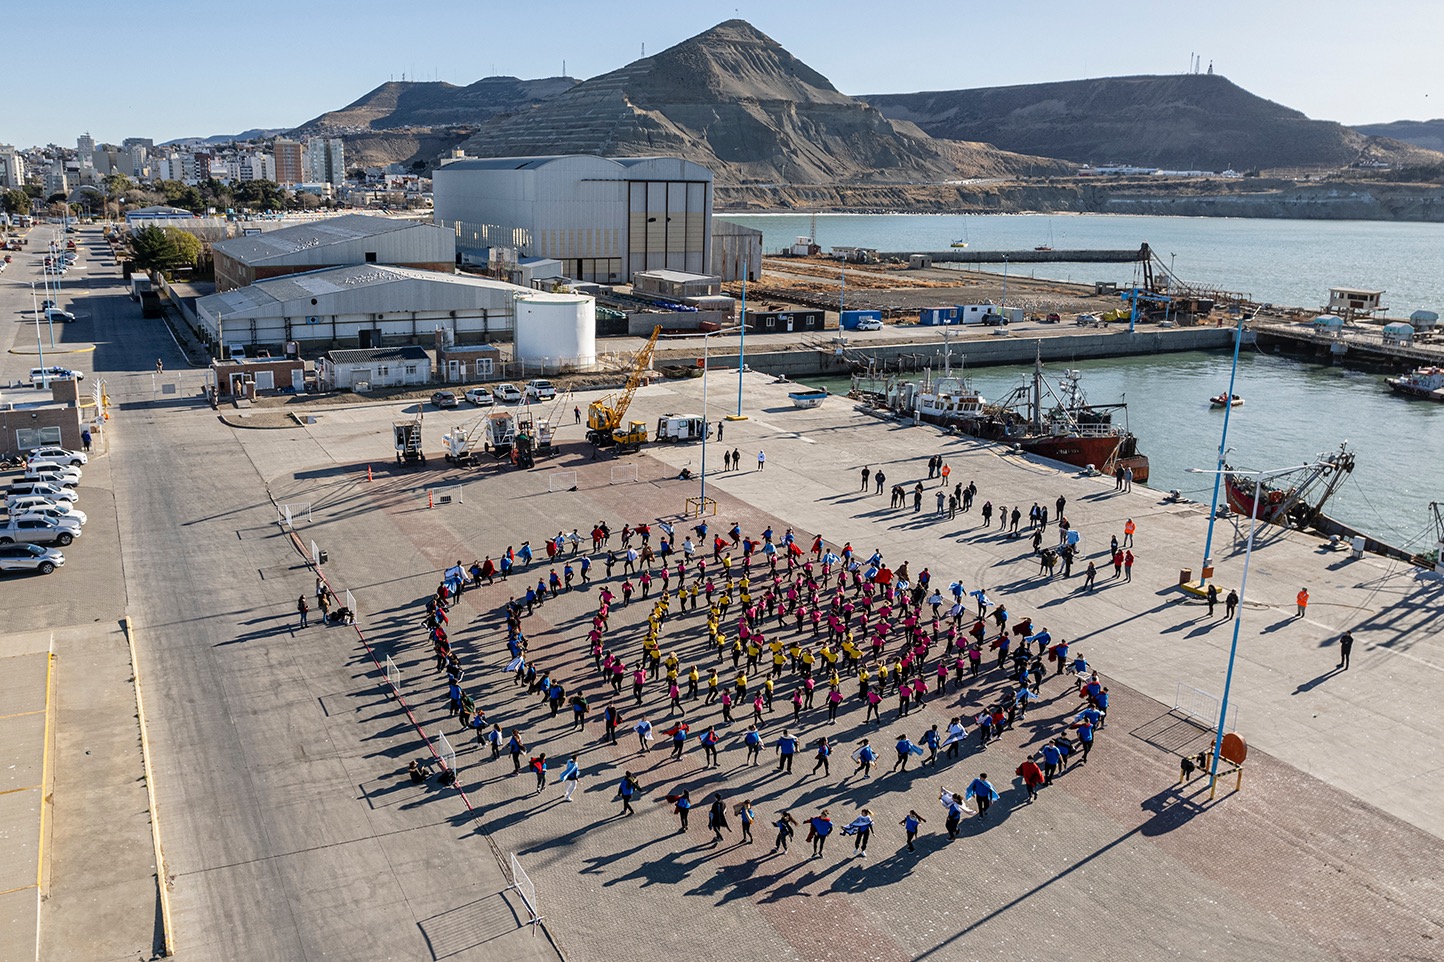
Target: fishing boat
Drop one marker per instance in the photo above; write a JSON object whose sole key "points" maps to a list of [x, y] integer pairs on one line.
{"points": [[1225, 400], [1293, 499], [1052, 422], [1422, 382], [808, 398]]}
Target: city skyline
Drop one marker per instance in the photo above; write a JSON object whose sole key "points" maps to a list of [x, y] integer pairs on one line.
{"points": [[1288, 53]]}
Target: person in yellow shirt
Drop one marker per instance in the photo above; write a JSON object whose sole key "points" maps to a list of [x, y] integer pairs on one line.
{"points": [[767, 693], [712, 682], [671, 661], [779, 661], [863, 677], [808, 661], [741, 685], [881, 677], [692, 595], [694, 678]]}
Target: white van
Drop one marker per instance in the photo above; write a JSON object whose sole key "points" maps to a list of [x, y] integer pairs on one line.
{"points": [[42, 376]]}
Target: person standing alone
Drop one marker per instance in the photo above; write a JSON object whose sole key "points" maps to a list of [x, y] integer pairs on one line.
{"points": [[1303, 601], [761, 460], [1346, 647]]}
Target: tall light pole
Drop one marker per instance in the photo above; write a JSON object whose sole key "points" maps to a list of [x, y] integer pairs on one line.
{"points": [[38, 346], [1222, 453], [706, 420], [1259, 478], [741, 353]]}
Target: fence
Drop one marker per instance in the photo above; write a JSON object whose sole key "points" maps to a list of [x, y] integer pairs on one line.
{"points": [[393, 675], [561, 481], [1202, 706], [624, 474], [351, 605], [445, 752], [521, 884], [315, 554], [289, 513]]}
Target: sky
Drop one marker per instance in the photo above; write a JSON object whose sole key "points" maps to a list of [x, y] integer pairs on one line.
{"points": [[165, 69]]}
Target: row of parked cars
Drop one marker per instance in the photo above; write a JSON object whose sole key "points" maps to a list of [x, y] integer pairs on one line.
{"points": [[40, 511], [534, 390]]}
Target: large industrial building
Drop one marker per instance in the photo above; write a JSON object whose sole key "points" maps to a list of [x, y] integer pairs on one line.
{"points": [[336, 242], [375, 305], [603, 218]]}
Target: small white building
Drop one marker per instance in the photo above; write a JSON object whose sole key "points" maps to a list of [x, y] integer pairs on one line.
{"points": [[373, 368], [1350, 303]]}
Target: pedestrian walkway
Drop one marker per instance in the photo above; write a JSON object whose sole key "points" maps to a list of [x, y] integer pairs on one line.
{"points": [[24, 677]]}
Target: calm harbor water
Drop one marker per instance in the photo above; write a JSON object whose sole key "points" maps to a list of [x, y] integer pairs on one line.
{"points": [[1286, 262], [1292, 412]]}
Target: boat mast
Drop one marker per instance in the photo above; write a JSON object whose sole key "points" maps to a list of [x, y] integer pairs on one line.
{"points": [[1038, 391]]}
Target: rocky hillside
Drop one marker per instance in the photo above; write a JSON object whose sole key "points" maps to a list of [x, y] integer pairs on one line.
{"points": [[733, 99], [1180, 122], [1428, 134], [415, 105]]}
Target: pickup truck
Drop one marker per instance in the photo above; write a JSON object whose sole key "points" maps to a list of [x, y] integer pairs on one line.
{"points": [[35, 530]]}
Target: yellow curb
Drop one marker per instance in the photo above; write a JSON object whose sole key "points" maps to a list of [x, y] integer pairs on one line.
{"points": [[36, 352]]}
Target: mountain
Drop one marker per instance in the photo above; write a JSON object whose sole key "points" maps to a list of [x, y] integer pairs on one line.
{"points": [[256, 133], [1179, 122], [404, 104], [1428, 134], [733, 99]]}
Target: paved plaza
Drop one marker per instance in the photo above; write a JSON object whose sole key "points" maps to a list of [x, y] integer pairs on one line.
{"points": [[291, 830]]}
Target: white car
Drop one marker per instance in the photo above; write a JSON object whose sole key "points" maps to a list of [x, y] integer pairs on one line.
{"points": [[73, 458], [507, 393], [25, 504], [479, 396], [37, 531], [51, 492], [869, 324], [53, 474], [56, 314], [540, 390], [42, 376], [51, 464]]}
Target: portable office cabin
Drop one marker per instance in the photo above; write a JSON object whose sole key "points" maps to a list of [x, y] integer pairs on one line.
{"points": [[849, 319], [937, 316], [1399, 334]]}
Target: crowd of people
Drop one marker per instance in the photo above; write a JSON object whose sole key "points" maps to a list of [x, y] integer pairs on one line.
{"points": [[750, 640]]}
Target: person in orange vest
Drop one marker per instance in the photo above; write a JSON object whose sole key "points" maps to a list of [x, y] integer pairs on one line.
{"points": [[946, 471], [1128, 528], [1303, 601]]}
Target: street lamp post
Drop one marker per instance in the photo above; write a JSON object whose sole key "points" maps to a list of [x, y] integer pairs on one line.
{"points": [[1222, 453], [706, 419], [1259, 478], [741, 353]]}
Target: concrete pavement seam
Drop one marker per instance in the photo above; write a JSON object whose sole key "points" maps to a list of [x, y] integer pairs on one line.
{"points": [[44, 787], [162, 883]]}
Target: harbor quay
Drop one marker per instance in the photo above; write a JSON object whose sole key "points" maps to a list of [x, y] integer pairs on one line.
{"points": [[1327, 851]]}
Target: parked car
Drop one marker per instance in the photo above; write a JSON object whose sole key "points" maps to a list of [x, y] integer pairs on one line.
{"points": [[869, 324], [29, 557], [51, 464], [25, 503], [53, 474], [479, 396], [507, 393], [37, 531], [42, 376], [994, 320], [1086, 320], [52, 453], [51, 516], [445, 399], [540, 390], [1053, 318], [52, 492], [56, 314]]}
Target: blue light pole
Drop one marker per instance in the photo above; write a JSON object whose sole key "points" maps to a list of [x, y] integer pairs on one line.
{"points": [[741, 353], [1259, 477], [1222, 453]]}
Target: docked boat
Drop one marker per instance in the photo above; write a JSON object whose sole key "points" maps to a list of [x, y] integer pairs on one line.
{"points": [[1226, 401], [959, 243], [807, 399], [1294, 499], [1070, 430], [1422, 382]]}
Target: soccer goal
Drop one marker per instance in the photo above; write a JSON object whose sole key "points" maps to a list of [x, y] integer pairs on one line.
{"points": [[624, 474], [446, 752], [561, 481], [393, 676], [697, 507]]}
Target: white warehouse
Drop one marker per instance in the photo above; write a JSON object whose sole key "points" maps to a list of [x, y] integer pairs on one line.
{"points": [[376, 305], [604, 218]]}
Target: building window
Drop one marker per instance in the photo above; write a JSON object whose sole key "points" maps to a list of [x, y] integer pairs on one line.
{"points": [[370, 257], [383, 371], [772, 322], [27, 438], [411, 370]]}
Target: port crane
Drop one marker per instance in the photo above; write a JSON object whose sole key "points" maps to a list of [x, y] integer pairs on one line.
{"points": [[604, 416]]}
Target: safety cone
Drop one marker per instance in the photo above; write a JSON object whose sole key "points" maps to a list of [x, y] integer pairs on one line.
{"points": [[368, 472], [430, 499]]}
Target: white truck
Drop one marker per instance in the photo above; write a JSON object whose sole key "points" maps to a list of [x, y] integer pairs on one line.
{"points": [[672, 428]]}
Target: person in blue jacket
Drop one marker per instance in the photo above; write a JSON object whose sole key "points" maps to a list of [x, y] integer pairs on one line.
{"points": [[820, 826], [786, 748], [753, 741], [981, 789]]}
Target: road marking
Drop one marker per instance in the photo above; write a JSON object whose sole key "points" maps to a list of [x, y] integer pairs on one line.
{"points": [[784, 432], [22, 714], [45, 765]]}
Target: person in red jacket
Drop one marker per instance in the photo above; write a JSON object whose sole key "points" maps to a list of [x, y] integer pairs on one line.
{"points": [[1032, 777]]}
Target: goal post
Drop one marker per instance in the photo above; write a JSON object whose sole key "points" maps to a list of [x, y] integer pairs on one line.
{"points": [[561, 481], [624, 474], [698, 507]]}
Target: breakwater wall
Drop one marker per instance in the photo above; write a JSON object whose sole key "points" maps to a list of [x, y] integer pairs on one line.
{"points": [[982, 352]]}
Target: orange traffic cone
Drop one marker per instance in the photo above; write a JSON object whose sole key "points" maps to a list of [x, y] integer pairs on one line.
{"points": [[430, 500], [368, 472]]}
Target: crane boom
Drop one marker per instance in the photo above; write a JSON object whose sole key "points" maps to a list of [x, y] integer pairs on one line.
{"points": [[605, 415]]}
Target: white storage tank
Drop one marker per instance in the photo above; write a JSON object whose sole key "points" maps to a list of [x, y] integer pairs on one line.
{"points": [[556, 329]]}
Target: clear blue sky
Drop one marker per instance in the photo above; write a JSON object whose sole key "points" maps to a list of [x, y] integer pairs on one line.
{"points": [[164, 69]]}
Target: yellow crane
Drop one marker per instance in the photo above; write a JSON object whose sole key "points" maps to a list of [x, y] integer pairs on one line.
{"points": [[604, 416]]}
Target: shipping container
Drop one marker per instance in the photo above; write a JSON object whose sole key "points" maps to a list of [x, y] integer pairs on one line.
{"points": [[937, 316], [850, 318]]}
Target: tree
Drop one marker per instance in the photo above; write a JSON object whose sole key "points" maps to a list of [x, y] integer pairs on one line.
{"points": [[164, 249], [117, 184], [15, 202]]}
